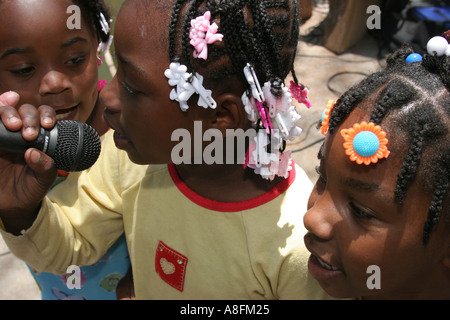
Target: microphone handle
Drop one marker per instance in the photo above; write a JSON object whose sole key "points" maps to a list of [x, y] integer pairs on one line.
{"points": [[12, 141]]}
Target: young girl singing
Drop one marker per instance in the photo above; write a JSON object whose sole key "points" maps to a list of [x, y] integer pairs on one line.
{"points": [[195, 229]]}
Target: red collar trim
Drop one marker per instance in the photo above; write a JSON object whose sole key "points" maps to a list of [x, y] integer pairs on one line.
{"points": [[62, 173], [231, 206]]}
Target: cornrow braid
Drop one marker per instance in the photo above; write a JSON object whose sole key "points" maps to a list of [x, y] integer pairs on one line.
{"points": [[172, 28], [263, 29], [354, 96], [436, 206], [395, 95], [414, 99], [410, 163], [91, 12], [423, 126], [262, 33]]}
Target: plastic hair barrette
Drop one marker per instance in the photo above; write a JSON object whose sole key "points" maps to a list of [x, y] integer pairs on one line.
{"points": [[274, 112], [365, 143], [105, 25], [186, 85], [278, 116], [202, 33], [326, 117], [104, 46], [300, 93]]}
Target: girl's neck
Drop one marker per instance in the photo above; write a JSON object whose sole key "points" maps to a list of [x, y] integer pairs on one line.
{"points": [[225, 183]]}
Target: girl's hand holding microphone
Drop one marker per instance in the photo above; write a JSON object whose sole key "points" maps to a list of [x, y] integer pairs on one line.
{"points": [[24, 178]]}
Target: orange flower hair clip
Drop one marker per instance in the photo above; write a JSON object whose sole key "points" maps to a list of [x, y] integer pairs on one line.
{"points": [[326, 117], [365, 143]]}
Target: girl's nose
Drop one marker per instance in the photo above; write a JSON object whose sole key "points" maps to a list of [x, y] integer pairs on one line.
{"points": [[109, 96], [54, 82], [322, 215]]}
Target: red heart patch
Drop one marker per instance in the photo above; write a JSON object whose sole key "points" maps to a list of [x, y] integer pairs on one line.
{"points": [[171, 266]]}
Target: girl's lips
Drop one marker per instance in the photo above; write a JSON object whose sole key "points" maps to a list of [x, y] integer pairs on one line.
{"points": [[322, 271], [319, 269], [121, 141], [67, 114]]}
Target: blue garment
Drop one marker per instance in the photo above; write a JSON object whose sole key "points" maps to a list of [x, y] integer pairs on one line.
{"points": [[98, 281]]}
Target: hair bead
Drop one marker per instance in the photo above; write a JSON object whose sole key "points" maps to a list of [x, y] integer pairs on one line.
{"points": [[437, 46], [413, 57]]}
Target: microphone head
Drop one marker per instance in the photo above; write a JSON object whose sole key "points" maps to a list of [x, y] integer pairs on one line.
{"points": [[77, 146]]}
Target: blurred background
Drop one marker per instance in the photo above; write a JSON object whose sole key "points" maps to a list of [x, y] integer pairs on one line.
{"points": [[341, 42]]}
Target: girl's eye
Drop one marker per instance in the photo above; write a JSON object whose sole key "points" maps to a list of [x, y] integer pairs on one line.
{"points": [[23, 72], [321, 176], [321, 182], [77, 60], [127, 88], [359, 213]]}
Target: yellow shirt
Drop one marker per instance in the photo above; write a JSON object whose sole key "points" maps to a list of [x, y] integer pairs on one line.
{"points": [[182, 246]]}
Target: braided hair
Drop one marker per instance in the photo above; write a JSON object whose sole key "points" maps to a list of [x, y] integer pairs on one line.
{"points": [[414, 100], [263, 33], [91, 13]]}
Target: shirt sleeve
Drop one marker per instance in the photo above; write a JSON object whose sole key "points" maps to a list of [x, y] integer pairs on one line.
{"points": [[81, 217]]}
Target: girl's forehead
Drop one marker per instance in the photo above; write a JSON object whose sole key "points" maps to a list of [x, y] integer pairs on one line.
{"points": [[141, 42], [27, 14], [147, 13], [384, 173], [144, 23], [33, 7]]}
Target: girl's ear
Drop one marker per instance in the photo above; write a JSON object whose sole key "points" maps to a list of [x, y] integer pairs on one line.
{"points": [[230, 113]]}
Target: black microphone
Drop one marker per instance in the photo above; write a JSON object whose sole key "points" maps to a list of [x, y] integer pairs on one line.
{"points": [[73, 145]]}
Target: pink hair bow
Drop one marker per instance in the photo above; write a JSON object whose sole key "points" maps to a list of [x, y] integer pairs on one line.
{"points": [[300, 93], [203, 33]]}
